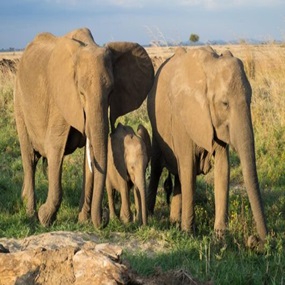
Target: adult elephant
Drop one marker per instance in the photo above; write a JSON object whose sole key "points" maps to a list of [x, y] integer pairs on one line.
{"points": [[64, 86], [199, 104]]}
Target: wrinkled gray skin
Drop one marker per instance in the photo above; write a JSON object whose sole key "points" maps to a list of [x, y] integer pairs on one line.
{"points": [[199, 104], [64, 86], [128, 157]]}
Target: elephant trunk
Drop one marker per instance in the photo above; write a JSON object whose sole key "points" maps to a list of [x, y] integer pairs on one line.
{"points": [[97, 134], [243, 142], [142, 191], [140, 187]]}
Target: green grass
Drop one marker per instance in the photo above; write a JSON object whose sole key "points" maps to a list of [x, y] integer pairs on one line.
{"points": [[202, 256]]}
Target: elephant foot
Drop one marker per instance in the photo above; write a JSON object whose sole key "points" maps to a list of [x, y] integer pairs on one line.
{"points": [[46, 216], [220, 234], [126, 219], [189, 228], [126, 215], [255, 243], [175, 214], [31, 213], [138, 219], [222, 238], [174, 219], [102, 221], [30, 208], [83, 217], [113, 216]]}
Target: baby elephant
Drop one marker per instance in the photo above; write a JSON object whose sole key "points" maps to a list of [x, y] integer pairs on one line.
{"points": [[128, 156]]}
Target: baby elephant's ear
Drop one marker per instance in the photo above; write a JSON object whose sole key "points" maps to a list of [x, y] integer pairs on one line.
{"points": [[143, 133]]}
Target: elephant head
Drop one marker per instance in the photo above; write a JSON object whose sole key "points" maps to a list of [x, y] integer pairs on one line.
{"points": [[210, 97], [132, 72]]}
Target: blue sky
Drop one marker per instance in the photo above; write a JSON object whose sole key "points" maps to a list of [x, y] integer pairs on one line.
{"points": [[143, 21]]}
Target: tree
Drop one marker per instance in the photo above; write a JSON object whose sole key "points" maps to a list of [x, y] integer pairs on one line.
{"points": [[194, 38]]}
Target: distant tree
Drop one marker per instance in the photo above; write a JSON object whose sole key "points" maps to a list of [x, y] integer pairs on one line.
{"points": [[243, 41], [194, 38]]}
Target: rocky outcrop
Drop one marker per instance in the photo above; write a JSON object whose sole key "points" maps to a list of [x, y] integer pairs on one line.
{"points": [[57, 258]]}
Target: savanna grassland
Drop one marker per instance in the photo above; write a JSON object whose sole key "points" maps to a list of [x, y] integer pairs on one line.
{"points": [[161, 247]]}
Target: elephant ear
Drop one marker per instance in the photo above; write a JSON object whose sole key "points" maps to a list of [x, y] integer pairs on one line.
{"points": [[62, 85], [143, 133], [133, 77], [188, 97]]}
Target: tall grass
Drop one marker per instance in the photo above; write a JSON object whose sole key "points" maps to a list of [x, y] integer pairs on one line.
{"points": [[223, 262], [269, 114]]}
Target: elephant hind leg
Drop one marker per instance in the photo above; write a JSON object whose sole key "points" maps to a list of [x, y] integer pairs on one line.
{"points": [[55, 154], [29, 161], [156, 170], [176, 205], [167, 186], [110, 193], [125, 212], [87, 192], [221, 174], [47, 212]]}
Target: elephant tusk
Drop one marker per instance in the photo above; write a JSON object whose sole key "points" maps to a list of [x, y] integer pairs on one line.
{"points": [[88, 155]]}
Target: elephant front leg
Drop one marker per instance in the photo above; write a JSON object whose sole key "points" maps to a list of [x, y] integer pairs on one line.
{"points": [[87, 192], [187, 176], [221, 174], [156, 170], [138, 204], [188, 184], [110, 199], [175, 207], [47, 212], [125, 213]]}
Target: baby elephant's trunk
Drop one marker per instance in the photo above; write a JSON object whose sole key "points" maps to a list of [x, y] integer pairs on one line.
{"points": [[140, 200]]}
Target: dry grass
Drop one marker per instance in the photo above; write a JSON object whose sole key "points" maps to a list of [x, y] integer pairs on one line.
{"points": [[10, 54]]}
